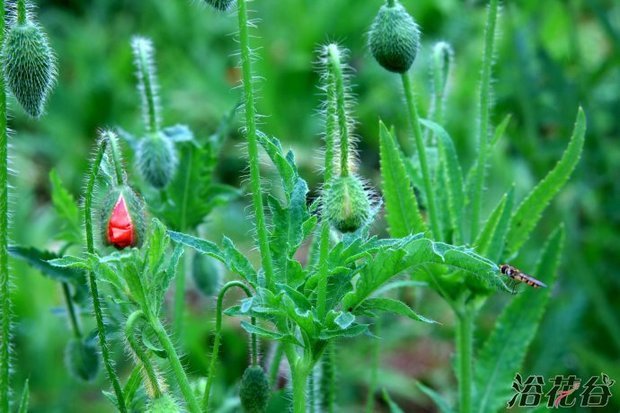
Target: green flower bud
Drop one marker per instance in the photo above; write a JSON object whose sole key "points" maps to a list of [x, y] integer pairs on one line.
{"points": [[82, 359], [29, 63], [157, 159], [122, 218], [163, 404], [347, 206], [254, 391], [221, 5], [207, 273], [394, 38]]}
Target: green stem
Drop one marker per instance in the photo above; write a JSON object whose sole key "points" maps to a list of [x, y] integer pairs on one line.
{"points": [[328, 380], [335, 67], [218, 337], [376, 351], [90, 247], [274, 369], [299, 374], [330, 139], [464, 351], [143, 49], [115, 152], [179, 294], [140, 353], [251, 132], [484, 107], [21, 12], [175, 363], [75, 325], [419, 141], [5, 298]]}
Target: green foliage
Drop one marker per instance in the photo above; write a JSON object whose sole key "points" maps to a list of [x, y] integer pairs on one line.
{"points": [[67, 210], [82, 359], [504, 351], [25, 399], [163, 404]]}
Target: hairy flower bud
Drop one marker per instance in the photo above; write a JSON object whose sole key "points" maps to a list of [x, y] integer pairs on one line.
{"points": [[207, 273], [221, 5], [82, 359], [163, 404], [346, 203], [394, 38], [29, 63], [122, 218], [254, 391], [157, 159]]}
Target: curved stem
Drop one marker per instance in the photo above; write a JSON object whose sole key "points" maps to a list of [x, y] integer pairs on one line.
{"points": [[116, 156], [218, 337], [140, 353], [419, 141], [335, 67], [175, 363], [464, 349], [75, 325], [92, 282], [5, 298], [251, 132], [485, 103]]}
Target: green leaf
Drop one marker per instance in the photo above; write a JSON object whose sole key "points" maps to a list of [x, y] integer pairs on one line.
{"points": [[201, 245], [394, 408], [439, 401], [402, 211], [268, 334], [504, 351], [349, 332], [284, 163], [158, 242], [491, 239], [453, 176], [23, 402], [500, 130], [67, 209], [40, 260], [393, 306], [238, 262], [344, 319], [178, 133], [70, 261], [528, 213]]}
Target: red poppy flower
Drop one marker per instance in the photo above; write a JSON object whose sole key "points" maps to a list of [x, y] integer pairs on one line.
{"points": [[121, 231]]}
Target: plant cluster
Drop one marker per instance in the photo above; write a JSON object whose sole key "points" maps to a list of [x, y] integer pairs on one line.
{"points": [[141, 233]]}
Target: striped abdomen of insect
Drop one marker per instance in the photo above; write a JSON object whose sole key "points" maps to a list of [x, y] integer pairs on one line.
{"points": [[519, 276]]}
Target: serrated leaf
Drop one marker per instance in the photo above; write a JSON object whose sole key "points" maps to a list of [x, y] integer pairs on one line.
{"points": [[453, 176], [70, 261], [505, 349], [268, 334], [529, 212], [24, 400], [439, 401], [349, 332], [201, 245], [67, 209], [402, 211], [238, 262], [500, 130], [344, 319], [490, 241], [284, 163], [40, 260], [393, 306]]}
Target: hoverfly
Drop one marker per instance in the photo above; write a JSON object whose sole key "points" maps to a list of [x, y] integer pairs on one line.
{"points": [[518, 276]]}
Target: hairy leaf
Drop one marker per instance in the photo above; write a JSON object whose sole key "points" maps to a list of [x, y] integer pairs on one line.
{"points": [[392, 306], [41, 260], [402, 211], [67, 209], [505, 349], [528, 213]]}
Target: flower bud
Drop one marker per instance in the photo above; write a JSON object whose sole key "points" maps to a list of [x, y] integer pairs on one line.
{"points": [[82, 359], [29, 64], [207, 273], [157, 159], [254, 391], [122, 218], [346, 203], [163, 404], [394, 38], [221, 5]]}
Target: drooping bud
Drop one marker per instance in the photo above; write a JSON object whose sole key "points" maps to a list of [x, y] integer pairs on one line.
{"points": [[221, 5], [254, 391], [157, 159], [29, 63], [82, 359], [122, 218], [163, 404], [346, 203], [394, 38], [207, 273]]}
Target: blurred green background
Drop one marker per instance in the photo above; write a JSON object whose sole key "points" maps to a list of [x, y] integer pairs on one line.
{"points": [[553, 56]]}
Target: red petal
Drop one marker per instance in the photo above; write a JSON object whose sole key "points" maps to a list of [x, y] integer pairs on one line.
{"points": [[120, 227]]}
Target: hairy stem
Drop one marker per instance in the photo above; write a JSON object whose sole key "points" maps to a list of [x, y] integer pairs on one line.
{"points": [[252, 137], [115, 152], [143, 51], [464, 350], [90, 247], [328, 380], [218, 337], [419, 142], [5, 298], [335, 67], [175, 363], [483, 118], [141, 354], [21, 11], [299, 373], [75, 325]]}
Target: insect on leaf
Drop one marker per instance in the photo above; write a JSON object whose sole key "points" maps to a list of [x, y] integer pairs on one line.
{"points": [[505, 349]]}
